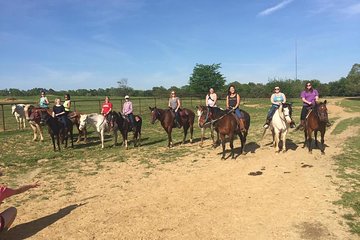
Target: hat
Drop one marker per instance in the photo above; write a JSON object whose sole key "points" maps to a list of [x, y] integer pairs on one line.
{"points": [[127, 96]]}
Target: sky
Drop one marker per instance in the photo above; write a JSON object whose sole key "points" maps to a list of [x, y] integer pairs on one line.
{"points": [[72, 44]]}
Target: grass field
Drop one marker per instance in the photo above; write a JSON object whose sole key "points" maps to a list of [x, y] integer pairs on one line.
{"points": [[19, 154]]}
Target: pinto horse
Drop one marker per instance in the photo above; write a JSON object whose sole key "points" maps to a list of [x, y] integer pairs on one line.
{"points": [[74, 117], [226, 124], [316, 121], [167, 117], [200, 110], [18, 111], [57, 130], [119, 121], [33, 116]]}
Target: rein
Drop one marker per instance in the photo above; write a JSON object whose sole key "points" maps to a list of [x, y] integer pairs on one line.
{"points": [[215, 120]]}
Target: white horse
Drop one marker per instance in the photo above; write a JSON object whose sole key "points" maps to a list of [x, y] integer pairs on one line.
{"points": [[100, 124], [280, 125], [18, 111], [200, 110], [34, 119]]}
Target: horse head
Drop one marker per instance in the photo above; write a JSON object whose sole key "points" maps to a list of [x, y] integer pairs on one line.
{"points": [[287, 111], [27, 110], [83, 120], [206, 115], [44, 117], [155, 114], [321, 110], [13, 108]]}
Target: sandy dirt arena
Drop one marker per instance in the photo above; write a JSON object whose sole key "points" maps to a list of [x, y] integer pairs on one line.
{"points": [[197, 197]]}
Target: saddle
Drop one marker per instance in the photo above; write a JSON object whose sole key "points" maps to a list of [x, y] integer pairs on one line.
{"points": [[240, 122]]}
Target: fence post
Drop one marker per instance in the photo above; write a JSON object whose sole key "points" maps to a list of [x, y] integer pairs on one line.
{"points": [[3, 116]]}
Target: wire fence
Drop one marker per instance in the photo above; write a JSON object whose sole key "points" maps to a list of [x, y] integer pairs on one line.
{"points": [[140, 106]]}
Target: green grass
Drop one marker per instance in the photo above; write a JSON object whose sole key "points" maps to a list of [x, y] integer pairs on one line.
{"points": [[350, 104], [344, 124]]}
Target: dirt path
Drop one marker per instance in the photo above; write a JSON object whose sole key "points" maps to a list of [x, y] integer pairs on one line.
{"points": [[198, 197]]}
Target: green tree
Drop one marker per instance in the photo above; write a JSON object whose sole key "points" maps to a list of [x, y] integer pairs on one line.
{"points": [[205, 77]]}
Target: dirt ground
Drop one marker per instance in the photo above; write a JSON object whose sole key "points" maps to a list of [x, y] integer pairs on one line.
{"points": [[198, 197]]}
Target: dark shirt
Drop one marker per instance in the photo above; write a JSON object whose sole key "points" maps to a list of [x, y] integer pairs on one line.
{"points": [[232, 101], [58, 109]]}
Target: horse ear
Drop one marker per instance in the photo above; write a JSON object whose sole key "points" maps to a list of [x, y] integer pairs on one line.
{"points": [[325, 101]]}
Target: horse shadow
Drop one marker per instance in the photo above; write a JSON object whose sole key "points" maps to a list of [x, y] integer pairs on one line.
{"points": [[249, 147], [152, 142], [26, 230]]}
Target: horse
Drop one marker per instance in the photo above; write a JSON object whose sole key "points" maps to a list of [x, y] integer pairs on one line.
{"points": [[57, 130], [18, 111], [316, 121], [226, 124], [167, 117], [200, 110], [280, 125], [74, 117], [33, 116], [100, 123], [124, 126]]}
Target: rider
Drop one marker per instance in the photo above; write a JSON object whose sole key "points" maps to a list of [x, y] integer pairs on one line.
{"points": [[106, 107], [59, 112], [128, 111], [44, 102], [67, 104], [211, 98], [276, 99], [233, 102], [175, 104], [8, 216]]}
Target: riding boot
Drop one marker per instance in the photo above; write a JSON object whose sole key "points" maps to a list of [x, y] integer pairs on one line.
{"points": [[267, 123], [241, 123], [328, 124], [301, 126]]}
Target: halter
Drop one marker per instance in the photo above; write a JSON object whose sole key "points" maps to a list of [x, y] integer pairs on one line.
{"points": [[217, 119]]}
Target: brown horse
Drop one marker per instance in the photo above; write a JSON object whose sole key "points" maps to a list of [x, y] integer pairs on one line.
{"points": [[74, 117], [167, 117], [316, 121], [33, 116], [226, 124], [119, 122]]}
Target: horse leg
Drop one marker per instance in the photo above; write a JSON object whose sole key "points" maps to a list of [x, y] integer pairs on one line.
{"points": [[223, 145], [102, 138], [191, 132], [232, 147], [126, 139], [323, 141], [40, 132], [284, 149], [309, 141], [277, 140], [305, 141], [58, 141], [71, 137], [186, 127], [202, 137], [315, 137], [34, 131], [115, 136], [53, 141]]}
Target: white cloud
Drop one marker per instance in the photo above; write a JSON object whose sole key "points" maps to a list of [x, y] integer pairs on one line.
{"points": [[275, 8]]}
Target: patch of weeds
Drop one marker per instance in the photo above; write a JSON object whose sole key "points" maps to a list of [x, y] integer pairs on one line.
{"points": [[348, 167], [344, 124]]}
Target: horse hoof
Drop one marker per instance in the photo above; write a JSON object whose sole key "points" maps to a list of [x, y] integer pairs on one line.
{"points": [[222, 158], [191, 141], [284, 151], [322, 153]]}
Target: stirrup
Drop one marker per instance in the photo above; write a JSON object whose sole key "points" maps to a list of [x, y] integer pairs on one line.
{"points": [[266, 126]]}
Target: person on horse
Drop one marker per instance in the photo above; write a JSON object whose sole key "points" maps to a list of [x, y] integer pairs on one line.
{"points": [[233, 103], [44, 102], [211, 98], [106, 108], [67, 104], [59, 112], [309, 97], [174, 105], [8, 216], [276, 99], [128, 111]]}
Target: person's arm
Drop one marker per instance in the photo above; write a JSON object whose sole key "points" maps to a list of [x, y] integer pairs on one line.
{"points": [[316, 96], [169, 105], [178, 104], [303, 98], [130, 108], [206, 99], [26, 187], [237, 101], [272, 99], [69, 104], [284, 101], [62, 111], [227, 102]]}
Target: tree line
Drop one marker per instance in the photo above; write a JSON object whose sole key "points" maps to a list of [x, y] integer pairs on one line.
{"points": [[206, 76]]}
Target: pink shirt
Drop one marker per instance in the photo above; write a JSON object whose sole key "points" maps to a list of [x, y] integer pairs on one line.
{"points": [[6, 192], [127, 108]]}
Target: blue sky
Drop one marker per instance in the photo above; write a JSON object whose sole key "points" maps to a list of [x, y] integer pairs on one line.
{"points": [[71, 44]]}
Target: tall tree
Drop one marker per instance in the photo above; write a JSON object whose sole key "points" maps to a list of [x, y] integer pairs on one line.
{"points": [[205, 77]]}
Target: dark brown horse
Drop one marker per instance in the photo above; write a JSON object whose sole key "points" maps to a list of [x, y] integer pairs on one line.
{"points": [[226, 124], [316, 121], [120, 122], [74, 117], [167, 117], [57, 130]]}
